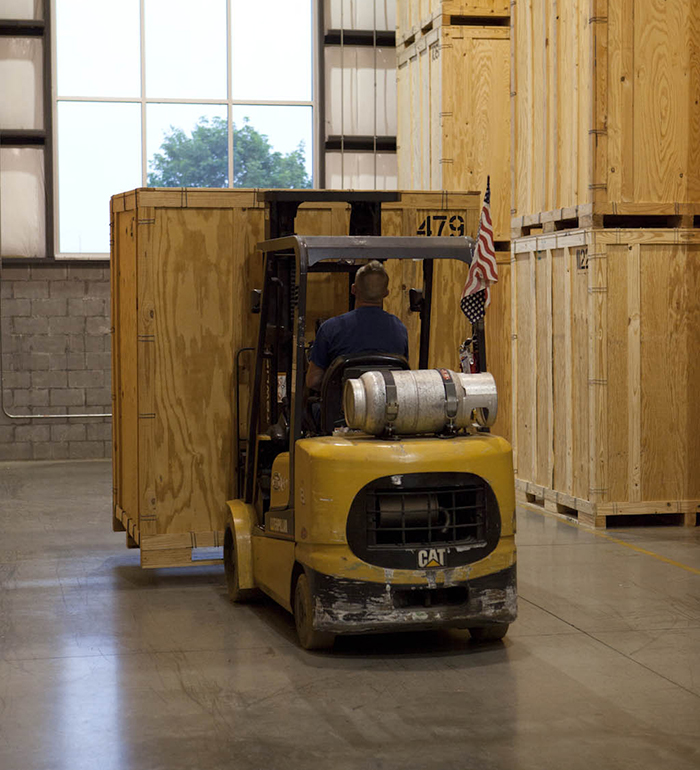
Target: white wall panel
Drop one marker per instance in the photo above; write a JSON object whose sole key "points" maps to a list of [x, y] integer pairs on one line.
{"points": [[360, 14], [354, 101], [357, 171], [22, 222], [21, 79], [21, 9]]}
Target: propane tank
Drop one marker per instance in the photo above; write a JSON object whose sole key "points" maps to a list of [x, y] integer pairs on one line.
{"points": [[420, 401]]}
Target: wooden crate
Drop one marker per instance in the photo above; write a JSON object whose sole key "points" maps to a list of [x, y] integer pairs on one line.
{"points": [[453, 131], [449, 327], [414, 17], [454, 115], [606, 329], [605, 110], [183, 265]]}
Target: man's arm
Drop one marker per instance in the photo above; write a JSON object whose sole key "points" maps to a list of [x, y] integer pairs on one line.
{"points": [[314, 376], [319, 359]]}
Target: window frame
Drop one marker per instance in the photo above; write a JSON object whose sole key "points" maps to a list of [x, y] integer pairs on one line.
{"points": [[52, 99]]}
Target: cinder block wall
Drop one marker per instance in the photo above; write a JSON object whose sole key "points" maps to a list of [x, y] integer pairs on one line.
{"points": [[55, 360]]}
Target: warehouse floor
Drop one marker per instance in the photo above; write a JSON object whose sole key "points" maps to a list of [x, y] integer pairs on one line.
{"points": [[104, 665]]}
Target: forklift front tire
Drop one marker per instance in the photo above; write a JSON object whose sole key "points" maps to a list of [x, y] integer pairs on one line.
{"points": [[235, 592], [309, 638], [491, 633]]}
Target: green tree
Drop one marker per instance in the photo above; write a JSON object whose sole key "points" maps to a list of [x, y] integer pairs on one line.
{"points": [[201, 159]]}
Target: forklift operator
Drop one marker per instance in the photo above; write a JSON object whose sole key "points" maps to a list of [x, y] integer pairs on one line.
{"points": [[366, 328]]}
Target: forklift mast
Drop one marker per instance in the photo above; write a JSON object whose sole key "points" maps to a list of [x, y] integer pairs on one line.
{"points": [[365, 219], [365, 208]]}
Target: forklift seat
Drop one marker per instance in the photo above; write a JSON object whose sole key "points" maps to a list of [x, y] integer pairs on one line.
{"points": [[346, 368]]}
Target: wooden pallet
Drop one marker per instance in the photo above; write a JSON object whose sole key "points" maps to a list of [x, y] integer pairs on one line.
{"points": [[488, 13], [176, 550], [608, 216], [680, 512]]}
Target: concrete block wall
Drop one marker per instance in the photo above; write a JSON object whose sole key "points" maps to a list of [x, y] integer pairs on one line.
{"points": [[55, 359]]}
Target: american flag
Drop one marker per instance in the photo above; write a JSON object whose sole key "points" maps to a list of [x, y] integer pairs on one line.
{"points": [[483, 270]]}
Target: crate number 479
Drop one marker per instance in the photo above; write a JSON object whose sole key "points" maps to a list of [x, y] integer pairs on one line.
{"points": [[434, 224]]}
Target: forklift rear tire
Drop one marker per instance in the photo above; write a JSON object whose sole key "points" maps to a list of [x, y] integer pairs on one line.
{"points": [[492, 633], [235, 592], [304, 611]]}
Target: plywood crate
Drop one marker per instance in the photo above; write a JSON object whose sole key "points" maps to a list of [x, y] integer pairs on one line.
{"points": [[606, 333], [454, 115], [606, 117], [414, 17], [183, 266]]}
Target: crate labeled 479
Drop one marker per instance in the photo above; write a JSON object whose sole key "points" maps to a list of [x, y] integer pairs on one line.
{"points": [[442, 224]]}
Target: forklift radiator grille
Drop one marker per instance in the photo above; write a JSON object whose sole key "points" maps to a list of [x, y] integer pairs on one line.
{"points": [[426, 517], [420, 520]]}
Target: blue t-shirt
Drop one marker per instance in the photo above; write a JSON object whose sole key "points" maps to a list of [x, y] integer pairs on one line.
{"points": [[361, 330]]}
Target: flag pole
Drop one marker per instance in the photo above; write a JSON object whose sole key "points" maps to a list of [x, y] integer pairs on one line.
{"points": [[479, 336], [483, 271], [478, 329]]}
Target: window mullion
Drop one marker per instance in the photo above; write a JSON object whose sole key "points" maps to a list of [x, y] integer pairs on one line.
{"points": [[50, 123], [318, 95], [229, 91], [144, 152]]}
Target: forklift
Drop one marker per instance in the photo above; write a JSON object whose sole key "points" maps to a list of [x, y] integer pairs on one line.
{"points": [[383, 503]]}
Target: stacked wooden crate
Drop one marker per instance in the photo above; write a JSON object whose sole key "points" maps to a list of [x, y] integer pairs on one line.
{"points": [[183, 265], [606, 256], [453, 80], [415, 16]]}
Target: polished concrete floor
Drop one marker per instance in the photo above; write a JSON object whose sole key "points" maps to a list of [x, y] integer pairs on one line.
{"points": [[104, 666]]}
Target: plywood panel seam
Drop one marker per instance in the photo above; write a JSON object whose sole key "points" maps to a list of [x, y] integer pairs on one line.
{"points": [[634, 363], [549, 368], [570, 410]]}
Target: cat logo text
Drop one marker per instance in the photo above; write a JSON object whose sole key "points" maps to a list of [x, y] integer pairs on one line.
{"points": [[432, 557]]}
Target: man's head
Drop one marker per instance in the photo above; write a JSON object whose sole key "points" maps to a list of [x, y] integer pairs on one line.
{"points": [[371, 283]]}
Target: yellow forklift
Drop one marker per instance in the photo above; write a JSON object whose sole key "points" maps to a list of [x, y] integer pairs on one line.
{"points": [[383, 503]]}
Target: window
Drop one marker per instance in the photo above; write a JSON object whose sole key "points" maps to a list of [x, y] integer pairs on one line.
{"points": [[171, 93]]}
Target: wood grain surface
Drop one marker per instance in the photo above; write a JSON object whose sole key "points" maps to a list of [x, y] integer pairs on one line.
{"points": [[454, 114], [605, 103], [616, 422]]}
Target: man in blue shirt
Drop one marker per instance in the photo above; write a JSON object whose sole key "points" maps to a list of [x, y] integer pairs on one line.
{"points": [[366, 328]]}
